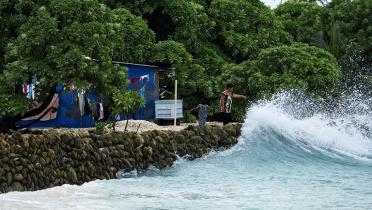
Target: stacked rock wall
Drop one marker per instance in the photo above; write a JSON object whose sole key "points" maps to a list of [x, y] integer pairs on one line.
{"points": [[43, 159]]}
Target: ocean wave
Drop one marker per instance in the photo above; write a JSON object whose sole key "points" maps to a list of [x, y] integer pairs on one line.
{"points": [[293, 125]]}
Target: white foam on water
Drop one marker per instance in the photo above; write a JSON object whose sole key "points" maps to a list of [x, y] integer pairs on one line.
{"points": [[345, 133]]}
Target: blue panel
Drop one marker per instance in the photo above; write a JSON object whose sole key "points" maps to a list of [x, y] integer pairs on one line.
{"points": [[87, 121], [68, 111], [144, 79]]}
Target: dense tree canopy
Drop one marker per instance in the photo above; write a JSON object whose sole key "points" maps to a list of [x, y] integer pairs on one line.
{"points": [[354, 18], [135, 37], [206, 42], [275, 69], [55, 45], [356, 67], [245, 27], [300, 19]]}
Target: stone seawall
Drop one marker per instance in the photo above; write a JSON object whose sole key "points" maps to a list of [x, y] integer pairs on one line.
{"points": [[43, 159]]}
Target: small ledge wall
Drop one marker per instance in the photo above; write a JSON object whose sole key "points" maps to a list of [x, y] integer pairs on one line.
{"points": [[44, 159]]}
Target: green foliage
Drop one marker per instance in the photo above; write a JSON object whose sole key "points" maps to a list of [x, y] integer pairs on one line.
{"points": [[356, 68], [245, 27], [331, 40], [192, 24], [191, 75], [239, 110], [184, 21], [135, 37], [103, 127], [189, 118], [11, 106], [212, 60], [55, 42], [127, 102], [354, 18], [137, 7], [300, 19], [286, 67], [171, 52], [12, 15]]}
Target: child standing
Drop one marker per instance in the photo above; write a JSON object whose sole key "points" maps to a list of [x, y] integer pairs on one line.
{"points": [[202, 111]]}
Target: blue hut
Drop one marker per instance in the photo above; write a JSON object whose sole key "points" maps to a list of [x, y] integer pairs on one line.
{"points": [[145, 80], [67, 109]]}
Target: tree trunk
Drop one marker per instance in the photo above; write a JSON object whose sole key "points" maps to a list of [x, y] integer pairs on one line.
{"points": [[114, 125], [126, 124]]}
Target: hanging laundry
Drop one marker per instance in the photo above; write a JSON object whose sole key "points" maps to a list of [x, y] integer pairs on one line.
{"points": [[25, 89], [87, 107], [101, 112], [145, 77], [81, 102], [136, 79], [133, 80], [31, 94], [29, 90]]}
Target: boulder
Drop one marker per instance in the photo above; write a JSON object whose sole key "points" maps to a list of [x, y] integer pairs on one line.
{"points": [[9, 178], [71, 175], [18, 177], [17, 187], [147, 152]]}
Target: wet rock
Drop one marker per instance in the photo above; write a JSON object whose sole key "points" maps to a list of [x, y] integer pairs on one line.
{"points": [[42, 161], [4, 147], [147, 152], [127, 164], [18, 177], [19, 168], [9, 178], [5, 159], [71, 175], [139, 140], [159, 139], [25, 140], [2, 171], [17, 187]]}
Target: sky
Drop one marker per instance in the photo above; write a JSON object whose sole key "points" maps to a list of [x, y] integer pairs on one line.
{"points": [[272, 3]]}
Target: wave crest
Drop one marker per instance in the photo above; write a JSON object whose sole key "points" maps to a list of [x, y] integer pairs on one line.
{"points": [[291, 122]]}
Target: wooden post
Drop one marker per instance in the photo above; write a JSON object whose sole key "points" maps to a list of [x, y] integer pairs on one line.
{"points": [[175, 102]]}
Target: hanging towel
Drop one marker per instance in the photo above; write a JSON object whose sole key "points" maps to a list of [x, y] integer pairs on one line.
{"points": [[133, 80], [145, 77], [32, 92], [25, 89], [81, 103], [101, 113]]}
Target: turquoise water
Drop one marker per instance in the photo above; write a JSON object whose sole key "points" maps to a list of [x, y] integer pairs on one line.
{"points": [[290, 156]]}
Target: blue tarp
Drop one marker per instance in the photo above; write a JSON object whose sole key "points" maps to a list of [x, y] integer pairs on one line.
{"points": [[144, 79], [141, 78]]}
